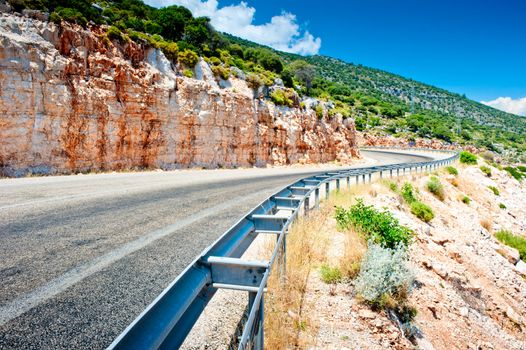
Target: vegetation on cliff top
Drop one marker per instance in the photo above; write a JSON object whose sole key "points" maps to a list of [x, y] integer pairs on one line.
{"points": [[380, 102]]}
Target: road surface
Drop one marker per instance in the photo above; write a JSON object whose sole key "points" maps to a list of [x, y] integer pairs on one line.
{"points": [[81, 256]]}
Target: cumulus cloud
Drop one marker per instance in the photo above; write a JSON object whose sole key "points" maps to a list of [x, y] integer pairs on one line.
{"points": [[282, 32], [507, 104]]}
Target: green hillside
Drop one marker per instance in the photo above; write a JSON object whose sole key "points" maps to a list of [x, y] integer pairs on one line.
{"points": [[379, 102]]}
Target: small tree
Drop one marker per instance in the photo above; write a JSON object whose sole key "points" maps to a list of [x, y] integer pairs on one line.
{"points": [[304, 72]]}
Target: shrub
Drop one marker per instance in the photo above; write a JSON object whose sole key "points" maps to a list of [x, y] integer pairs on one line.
{"points": [[380, 227], [422, 211], [114, 33], [486, 170], [466, 200], [385, 277], [188, 58], [434, 186], [514, 241], [515, 173], [69, 15], [170, 50], [502, 206], [254, 81], [188, 73], [408, 193], [220, 71], [319, 111], [330, 275], [521, 168], [495, 190], [281, 98], [452, 170], [468, 158]]}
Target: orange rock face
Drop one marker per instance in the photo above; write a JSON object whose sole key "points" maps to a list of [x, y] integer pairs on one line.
{"points": [[71, 101]]}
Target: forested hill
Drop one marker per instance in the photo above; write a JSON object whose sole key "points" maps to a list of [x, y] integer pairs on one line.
{"points": [[378, 101]]}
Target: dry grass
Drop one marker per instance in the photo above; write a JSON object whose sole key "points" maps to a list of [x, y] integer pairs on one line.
{"points": [[355, 248], [486, 223], [306, 248], [307, 245]]}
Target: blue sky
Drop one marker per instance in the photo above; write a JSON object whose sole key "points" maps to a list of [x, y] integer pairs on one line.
{"points": [[466, 46]]}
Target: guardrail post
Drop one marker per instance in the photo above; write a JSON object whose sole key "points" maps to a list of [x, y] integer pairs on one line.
{"points": [[381, 174], [338, 185], [391, 173], [307, 205], [348, 182], [363, 178], [258, 334], [370, 177], [357, 179], [317, 197], [327, 190]]}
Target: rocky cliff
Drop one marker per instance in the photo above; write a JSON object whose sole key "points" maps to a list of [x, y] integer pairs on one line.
{"points": [[71, 100]]}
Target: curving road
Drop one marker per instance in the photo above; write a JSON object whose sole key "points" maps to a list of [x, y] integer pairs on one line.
{"points": [[81, 256]]}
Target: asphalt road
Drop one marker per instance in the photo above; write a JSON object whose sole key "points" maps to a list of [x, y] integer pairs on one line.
{"points": [[81, 256]]}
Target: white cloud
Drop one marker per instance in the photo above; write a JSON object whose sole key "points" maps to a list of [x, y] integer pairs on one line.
{"points": [[507, 104], [282, 32]]}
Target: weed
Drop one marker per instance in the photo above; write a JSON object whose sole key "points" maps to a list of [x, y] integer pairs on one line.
{"points": [[486, 170], [502, 206], [434, 186], [330, 274], [514, 241], [466, 200], [495, 190], [452, 170]]}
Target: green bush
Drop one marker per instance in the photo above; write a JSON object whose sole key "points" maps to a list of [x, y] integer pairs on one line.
{"points": [[408, 193], [375, 225], [221, 71], [114, 33], [515, 173], [452, 170], [188, 73], [69, 15], [514, 241], [495, 190], [188, 58], [393, 186], [170, 50], [468, 158], [466, 200], [502, 206], [434, 186], [521, 168], [422, 211], [330, 275], [486, 170], [254, 81], [281, 98], [319, 111]]}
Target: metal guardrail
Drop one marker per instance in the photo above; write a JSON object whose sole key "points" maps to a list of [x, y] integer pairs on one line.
{"points": [[166, 322]]}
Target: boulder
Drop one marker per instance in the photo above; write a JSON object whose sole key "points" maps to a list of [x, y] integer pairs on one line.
{"points": [[521, 267]]}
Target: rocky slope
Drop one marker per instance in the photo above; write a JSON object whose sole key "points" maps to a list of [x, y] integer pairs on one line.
{"points": [[71, 100], [470, 289]]}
